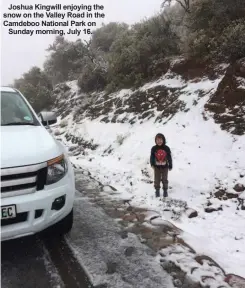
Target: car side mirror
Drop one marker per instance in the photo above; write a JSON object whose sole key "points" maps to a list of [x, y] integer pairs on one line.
{"points": [[47, 118]]}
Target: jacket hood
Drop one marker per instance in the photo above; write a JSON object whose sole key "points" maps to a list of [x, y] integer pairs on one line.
{"points": [[159, 135]]}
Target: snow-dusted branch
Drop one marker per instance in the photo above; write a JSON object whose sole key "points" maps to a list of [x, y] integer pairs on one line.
{"points": [[185, 4]]}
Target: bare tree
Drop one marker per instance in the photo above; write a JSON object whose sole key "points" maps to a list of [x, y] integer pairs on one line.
{"points": [[185, 4]]}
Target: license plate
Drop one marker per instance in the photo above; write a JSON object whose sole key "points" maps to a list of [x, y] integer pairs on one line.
{"points": [[8, 212]]}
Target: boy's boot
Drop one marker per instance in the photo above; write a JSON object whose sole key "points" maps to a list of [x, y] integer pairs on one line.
{"points": [[165, 193], [157, 192]]}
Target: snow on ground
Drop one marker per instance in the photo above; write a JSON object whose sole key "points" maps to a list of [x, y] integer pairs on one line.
{"points": [[202, 154], [169, 80], [203, 273], [96, 241]]}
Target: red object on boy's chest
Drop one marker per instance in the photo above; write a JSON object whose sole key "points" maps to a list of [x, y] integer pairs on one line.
{"points": [[160, 155]]}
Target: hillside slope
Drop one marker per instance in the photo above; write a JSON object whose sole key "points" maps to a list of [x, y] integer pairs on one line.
{"points": [[201, 113]]}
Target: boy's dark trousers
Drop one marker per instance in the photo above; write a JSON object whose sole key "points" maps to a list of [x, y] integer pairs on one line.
{"points": [[160, 175]]}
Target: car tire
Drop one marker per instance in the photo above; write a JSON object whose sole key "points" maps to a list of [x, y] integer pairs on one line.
{"points": [[64, 226]]}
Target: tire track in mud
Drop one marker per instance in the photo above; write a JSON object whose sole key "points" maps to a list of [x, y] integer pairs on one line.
{"points": [[70, 271], [26, 263], [40, 261]]}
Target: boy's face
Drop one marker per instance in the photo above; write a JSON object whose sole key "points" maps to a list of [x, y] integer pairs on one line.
{"points": [[159, 141]]}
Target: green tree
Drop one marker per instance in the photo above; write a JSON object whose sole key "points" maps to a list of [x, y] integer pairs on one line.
{"points": [[134, 53], [92, 78], [65, 60], [212, 22], [103, 38], [36, 87]]}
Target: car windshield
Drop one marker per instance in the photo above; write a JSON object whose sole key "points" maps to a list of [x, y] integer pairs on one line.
{"points": [[15, 111]]}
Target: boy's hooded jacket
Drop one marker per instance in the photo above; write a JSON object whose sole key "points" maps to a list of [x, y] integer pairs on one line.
{"points": [[156, 148]]}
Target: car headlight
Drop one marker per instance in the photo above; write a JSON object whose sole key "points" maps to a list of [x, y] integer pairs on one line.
{"points": [[57, 169]]}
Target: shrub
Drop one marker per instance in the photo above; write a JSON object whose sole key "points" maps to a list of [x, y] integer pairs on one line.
{"points": [[92, 79], [216, 29]]}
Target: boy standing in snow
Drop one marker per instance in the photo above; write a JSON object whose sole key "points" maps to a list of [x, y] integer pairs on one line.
{"points": [[161, 161]]}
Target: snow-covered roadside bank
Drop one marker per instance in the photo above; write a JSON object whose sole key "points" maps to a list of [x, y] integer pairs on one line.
{"points": [[205, 158], [219, 234]]}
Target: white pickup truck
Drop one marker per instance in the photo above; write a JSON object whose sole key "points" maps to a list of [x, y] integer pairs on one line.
{"points": [[37, 178]]}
